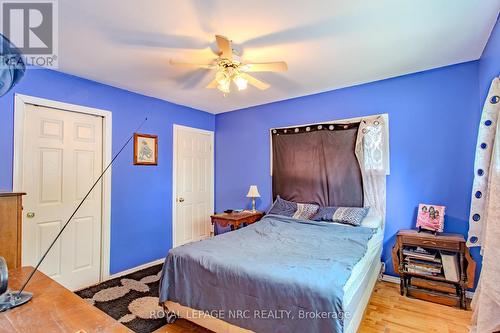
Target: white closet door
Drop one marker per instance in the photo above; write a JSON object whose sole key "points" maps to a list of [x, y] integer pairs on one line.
{"points": [[194, 184], [62, 158]]}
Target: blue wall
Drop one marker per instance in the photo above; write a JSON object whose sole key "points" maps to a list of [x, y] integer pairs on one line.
{"points": [[489, 64], [433, 119], [141, 226]]}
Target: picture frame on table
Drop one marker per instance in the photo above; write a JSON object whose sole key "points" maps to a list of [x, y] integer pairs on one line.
{"points": [[431, 217]]}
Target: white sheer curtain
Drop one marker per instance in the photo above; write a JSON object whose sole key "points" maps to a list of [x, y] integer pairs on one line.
{"points": [[485, 226], [372, 151]]}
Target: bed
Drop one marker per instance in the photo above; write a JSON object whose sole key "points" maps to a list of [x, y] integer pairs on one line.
{"points": [[292, 272], [309, 276]]}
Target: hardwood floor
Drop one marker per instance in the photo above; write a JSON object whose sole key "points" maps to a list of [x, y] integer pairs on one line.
{"points": [[387, 312]]}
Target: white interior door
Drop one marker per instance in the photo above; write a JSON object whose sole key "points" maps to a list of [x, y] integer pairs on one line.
{"points": [[193, 184], [62, 157]]}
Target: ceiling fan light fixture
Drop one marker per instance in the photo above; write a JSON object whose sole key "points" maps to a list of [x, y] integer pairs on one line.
{"points": [[221, 77], [223, 81], [240, 82], [225, 89], [224, 86], [231, 69]]}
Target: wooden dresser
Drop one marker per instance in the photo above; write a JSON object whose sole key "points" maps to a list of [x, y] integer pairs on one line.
{"points": [[410, 262], [53, 309], [11, 207]]}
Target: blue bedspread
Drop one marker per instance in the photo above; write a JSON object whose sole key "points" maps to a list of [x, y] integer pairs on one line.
{"points": [[276, 275]]}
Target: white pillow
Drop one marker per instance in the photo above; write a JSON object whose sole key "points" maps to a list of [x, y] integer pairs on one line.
{"points": [[372, 221]]}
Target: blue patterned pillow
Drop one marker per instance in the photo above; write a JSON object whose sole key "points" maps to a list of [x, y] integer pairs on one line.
{"points": [[324, 214], [346, 215], [283, 207], [305, 211]]}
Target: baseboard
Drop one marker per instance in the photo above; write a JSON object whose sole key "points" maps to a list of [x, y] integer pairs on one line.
{"points": [[390, 278], [135, 269], [395, 279]]}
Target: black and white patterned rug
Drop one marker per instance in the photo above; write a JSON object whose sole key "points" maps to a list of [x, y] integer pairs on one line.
{"points": [[131, 299]]}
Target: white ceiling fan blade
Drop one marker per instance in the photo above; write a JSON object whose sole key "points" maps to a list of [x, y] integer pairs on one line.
{"points": [[278, 66], [255, 82], [212, 84], [224, 45], [187, 64]]}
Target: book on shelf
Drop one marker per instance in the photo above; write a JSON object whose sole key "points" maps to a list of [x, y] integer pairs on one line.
{"points": [[415, 270], [424, 263], [450, 266], [420, 253], [416, 265], [423, 269]]}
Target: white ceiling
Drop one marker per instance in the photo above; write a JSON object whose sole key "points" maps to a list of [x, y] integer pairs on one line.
{"points": [[328, 44]]}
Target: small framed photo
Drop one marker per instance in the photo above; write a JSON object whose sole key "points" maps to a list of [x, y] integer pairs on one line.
{"points": [[145, 149], [431, 217]]}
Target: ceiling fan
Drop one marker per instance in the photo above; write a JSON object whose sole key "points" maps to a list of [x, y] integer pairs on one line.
{"points": [[230, 68]]}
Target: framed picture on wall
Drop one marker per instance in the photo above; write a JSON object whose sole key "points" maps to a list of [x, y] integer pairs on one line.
{"points": [[145, 149]]}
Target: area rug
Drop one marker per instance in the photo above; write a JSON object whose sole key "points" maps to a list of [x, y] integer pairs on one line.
{"points": [[131, 299]]}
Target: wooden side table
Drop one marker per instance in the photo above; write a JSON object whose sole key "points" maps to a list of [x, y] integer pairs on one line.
{"points": [[236, 219], [435, 288]]}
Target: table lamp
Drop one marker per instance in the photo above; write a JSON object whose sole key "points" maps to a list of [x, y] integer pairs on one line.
{"points": [[253, 193]]}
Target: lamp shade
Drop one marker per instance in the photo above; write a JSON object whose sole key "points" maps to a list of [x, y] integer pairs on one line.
{"points": [[253, 192]]}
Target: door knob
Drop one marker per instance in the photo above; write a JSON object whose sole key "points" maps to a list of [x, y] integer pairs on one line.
{"points": [[181, 199], [30, 215]]}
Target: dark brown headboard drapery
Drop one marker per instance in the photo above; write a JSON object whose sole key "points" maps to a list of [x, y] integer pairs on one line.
{"points": [[317, 164]]}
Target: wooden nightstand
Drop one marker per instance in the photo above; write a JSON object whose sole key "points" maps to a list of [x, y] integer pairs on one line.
{"points": [[236, 219], [436, 287]]}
